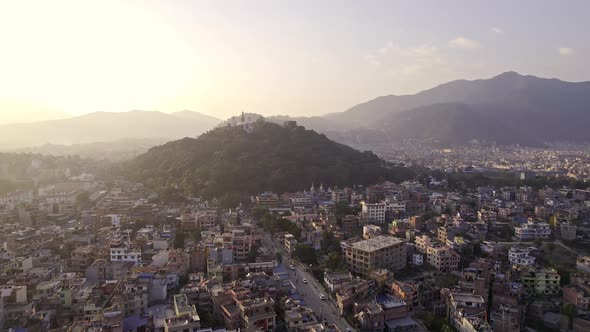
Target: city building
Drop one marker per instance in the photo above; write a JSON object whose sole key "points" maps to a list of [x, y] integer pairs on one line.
{"points": [[541, 282], [532, 230], [382, 251], [443, 258], [520, 258]]}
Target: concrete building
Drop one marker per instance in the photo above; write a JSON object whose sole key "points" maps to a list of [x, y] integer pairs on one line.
{"points": [[541, 282], [519, 258], [568, 231], [380, 252], [576, 296], [506, 319], [532, 231], [290, 243], [374, 211], [299, 317], [121, 251], [422, 243], [443, 258], [257, 314], [370, 231]]}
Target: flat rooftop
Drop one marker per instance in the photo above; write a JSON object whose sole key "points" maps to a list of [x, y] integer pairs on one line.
{"points": [[377, 243]]}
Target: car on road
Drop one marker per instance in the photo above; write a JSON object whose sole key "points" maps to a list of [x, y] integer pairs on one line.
{"points": [[292, 267], [322, 297], [305, 281]]}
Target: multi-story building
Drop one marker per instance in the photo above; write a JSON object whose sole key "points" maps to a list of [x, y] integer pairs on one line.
{"points": [[541, 281], [267, 200], [506, 319], [350, 224], [407, 291], [299, 317], [374, 211], [301, 199], [135, 295], [335, 280], [422, 243], [370, 231], [257, 314], [380, 252], [443, 258], [467, 313], [121, 251], [576, 296], [206, 219], [532, 230], [444, 234], [290, 243], [568, 231], [519, 258], [83, 257], [185, 316]]}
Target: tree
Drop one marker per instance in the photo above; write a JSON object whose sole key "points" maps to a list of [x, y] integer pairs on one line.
{"points": [[334, 261], [306, 254], [179, 240], [570, 310], [329, 242], [253, 254]]}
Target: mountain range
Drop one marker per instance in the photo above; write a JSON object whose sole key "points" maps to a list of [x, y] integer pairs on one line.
{"points": [[506, 109], [106, 127]]}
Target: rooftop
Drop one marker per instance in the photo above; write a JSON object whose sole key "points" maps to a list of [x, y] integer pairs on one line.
{"points": [[377, 243]]}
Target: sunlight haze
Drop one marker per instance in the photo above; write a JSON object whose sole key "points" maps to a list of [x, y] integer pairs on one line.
{"points": [[268, 57]]}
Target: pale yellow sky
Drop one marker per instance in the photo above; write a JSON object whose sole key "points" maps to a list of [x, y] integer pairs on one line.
{"points": [[303, 57]]}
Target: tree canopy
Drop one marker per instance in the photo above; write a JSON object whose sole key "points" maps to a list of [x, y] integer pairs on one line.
{"points": [[243, 162]]}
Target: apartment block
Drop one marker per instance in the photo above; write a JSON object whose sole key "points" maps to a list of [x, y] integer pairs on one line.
{"points": [[380, 252]]}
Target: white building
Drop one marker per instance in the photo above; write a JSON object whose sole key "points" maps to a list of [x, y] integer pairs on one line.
{"points": [[370, 231], [13, 199], [374, 211], [519, 258], [121, 252], [290, 243], [532, 230]]}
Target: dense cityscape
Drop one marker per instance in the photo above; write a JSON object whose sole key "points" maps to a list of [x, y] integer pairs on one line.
{"points": [[83, 252], [294, 166]]}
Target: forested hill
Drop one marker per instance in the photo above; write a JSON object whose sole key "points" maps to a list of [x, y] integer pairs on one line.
{"points": [[235, 161]]}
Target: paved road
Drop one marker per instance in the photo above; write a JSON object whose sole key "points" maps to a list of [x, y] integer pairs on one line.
{"points": [[325, 309]]}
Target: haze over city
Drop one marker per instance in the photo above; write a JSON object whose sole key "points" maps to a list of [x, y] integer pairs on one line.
{"points": [[294, 166], [308, 58]]}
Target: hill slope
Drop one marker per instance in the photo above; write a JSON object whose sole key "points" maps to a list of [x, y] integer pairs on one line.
{"points": [[268, 157], [104, 127]]}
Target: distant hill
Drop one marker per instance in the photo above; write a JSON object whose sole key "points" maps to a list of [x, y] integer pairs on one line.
{"points": [[118, 150], [265, 156], [526, 109], [105, 127]]}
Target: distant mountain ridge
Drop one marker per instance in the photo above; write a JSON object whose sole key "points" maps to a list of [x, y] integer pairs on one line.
{"points": [[105, 127], [506, 109]]}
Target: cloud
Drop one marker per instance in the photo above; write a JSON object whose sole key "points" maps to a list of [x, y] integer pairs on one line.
{"points": [[464, 43], [372, 59], [496, 30], [565, 51], [406, 61]]}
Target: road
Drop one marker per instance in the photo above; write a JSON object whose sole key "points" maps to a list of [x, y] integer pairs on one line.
{"points": [[326, 310]]}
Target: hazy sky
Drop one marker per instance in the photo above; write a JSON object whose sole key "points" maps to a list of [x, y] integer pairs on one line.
{"points": [[270, 57]]}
